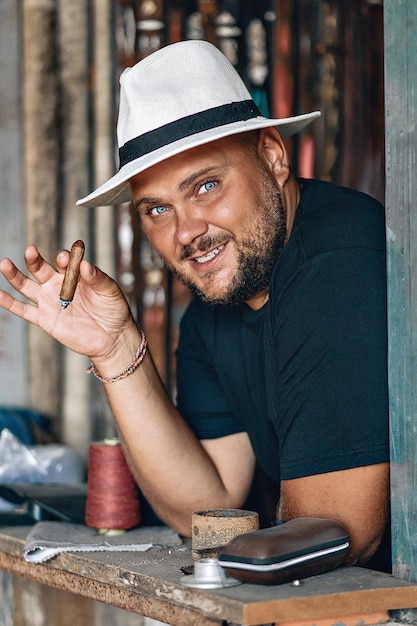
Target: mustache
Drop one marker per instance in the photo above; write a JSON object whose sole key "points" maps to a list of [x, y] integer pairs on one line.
{"points": [[206, 242]]}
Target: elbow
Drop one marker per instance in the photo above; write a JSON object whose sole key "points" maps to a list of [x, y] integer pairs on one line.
{"points": [[178, 521], [361, 552], [182, 526]]}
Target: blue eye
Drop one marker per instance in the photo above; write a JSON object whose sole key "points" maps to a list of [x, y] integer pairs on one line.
{"points": [[208, 186], [157, 210]]}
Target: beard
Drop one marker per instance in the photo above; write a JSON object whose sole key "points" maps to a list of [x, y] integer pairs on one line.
{"points": [[257, 251]]}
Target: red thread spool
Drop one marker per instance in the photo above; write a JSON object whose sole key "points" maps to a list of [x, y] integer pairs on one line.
{"points": [[112, 494]]}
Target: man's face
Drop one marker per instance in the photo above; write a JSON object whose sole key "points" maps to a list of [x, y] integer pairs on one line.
{"points": [[215, 217]]}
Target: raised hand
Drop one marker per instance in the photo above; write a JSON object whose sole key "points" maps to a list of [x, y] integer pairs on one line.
{"points": [[96, 318]]}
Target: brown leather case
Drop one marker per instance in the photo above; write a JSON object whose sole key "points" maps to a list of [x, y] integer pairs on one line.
{"points": [[296, 549]]}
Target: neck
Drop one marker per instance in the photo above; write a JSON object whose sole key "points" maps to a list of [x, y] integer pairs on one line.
{"points": [[258, 301], [291, 196]]}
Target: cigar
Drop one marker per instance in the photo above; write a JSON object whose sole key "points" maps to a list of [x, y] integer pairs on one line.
{"points": [[72, 273]]}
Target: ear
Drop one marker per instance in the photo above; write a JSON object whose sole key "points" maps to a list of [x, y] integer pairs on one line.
{"points": [[272, 153]]}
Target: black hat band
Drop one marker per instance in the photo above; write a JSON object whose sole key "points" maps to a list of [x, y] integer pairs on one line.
{"points": [[185, 127]]}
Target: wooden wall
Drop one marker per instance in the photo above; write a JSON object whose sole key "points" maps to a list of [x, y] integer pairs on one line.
{"points": [[401, 192], [57, 134]]}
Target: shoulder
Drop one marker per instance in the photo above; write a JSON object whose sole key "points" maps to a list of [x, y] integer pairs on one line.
{"points": [[330, 216], [318, 193]]}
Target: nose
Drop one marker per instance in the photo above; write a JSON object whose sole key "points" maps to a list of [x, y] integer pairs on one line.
{"points": [[190, 224]]}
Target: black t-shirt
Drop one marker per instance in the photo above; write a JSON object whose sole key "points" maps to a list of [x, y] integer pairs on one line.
{"points": [[306, 375]]}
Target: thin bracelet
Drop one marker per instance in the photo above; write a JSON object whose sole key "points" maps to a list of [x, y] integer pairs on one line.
{"points": [[139, 356]]}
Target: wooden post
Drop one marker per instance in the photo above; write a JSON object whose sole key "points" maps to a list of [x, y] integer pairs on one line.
{"points": [[73, 36], [40, 100], [401, 152], [104, 130], [104, 84]]}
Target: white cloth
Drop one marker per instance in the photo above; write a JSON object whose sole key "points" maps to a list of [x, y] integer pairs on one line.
{"points": [[47, 539]]}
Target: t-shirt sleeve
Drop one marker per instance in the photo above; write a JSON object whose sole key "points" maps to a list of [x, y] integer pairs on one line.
{"points": [[329, 357], [201, 398]]}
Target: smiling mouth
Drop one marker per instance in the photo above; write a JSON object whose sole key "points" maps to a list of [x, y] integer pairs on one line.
{"points": [[210, 255]]}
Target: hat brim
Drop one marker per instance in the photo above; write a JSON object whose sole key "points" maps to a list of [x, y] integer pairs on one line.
{"points": [[116, 190]]}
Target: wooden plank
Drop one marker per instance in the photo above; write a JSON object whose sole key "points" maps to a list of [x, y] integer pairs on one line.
{"points": [[35, 604], [149, 584], [25, 602], [337, 594], [80, 585], [401, 151]]}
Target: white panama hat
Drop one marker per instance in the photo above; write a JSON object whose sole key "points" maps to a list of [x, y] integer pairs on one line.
{"points": [[182, 96]]}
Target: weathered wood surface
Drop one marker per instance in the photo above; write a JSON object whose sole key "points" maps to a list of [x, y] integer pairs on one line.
{"points": [[28, 603], [401, 191], [149, 584]]}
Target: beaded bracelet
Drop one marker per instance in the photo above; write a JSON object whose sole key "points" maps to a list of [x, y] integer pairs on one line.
{"points": [[139, 356]]}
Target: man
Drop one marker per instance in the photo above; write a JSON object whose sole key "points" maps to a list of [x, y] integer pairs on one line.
{"points": [[282, 357]]}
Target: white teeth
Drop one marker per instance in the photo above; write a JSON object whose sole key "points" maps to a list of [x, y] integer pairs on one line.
{"points": [[210, 255]]}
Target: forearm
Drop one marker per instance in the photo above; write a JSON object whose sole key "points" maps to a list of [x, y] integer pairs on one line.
{"points": [[171, 466]]}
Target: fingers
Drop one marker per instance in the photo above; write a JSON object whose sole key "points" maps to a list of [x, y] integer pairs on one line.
{"points": [[12, 274], [41, 271], [7, 267], [37, 266], [22, 310], [87, 270], [90, 273], [20, 283], [61, 260], [33, 260], [48, 280]]}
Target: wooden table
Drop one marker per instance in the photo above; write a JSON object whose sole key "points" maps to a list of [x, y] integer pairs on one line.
{"points": [[149, 584]]}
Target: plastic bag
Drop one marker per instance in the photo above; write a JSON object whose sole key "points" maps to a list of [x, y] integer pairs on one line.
{"points": [[48, 463], [17, 462]]}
